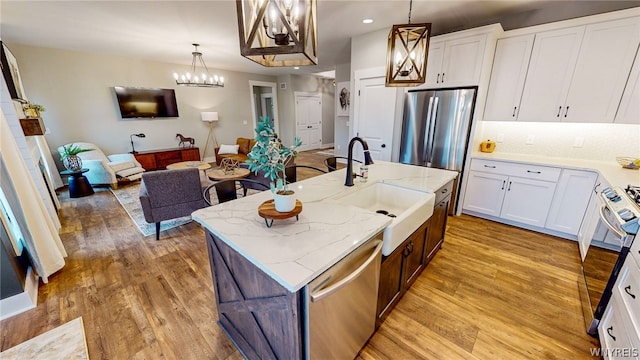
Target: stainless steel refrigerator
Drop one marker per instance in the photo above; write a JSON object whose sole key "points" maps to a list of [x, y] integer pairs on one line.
{"points": [[436, 127]]}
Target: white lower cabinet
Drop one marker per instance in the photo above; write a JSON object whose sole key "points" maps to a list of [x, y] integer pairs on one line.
{"points": [[527, 201], [549, 199], [619, 330], [570, 203], [510, 191]]}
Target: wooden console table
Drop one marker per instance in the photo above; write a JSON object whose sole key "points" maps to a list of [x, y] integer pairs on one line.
{"points": [[159, 159]]}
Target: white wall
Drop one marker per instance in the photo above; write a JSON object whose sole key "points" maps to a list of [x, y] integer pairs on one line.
{"points": [[601, 141], [341, 123], [76, 88]]}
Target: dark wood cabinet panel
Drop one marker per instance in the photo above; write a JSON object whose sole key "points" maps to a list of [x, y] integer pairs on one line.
{"points": [[262, 317], [435, 235], [390, 285], [159, 159], [414, 255], [399, 270]]}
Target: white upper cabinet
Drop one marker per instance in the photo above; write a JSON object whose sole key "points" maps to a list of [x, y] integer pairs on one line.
{"points": [[434, 62], [573, 74], [629, 110], [455, 62], [600, 75], [552, 62], [507, 77]]}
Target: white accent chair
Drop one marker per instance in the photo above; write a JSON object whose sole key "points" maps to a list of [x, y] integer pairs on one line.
{"points": [[107, 170]]}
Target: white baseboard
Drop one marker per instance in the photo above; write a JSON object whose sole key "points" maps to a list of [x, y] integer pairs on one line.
{"points": [[22, 302]]}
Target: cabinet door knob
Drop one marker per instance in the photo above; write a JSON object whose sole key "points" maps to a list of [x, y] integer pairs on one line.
{"points": [[509, 188], [566, 111], [490, 166], [609, 331], [443, 78], [383, 146], [514, 111], [559, 111], [438, 79], [628, 291], [503, 183], [533, 172]]}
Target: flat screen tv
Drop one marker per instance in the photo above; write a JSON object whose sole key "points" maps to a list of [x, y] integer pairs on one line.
{"points": [[135, 102]]}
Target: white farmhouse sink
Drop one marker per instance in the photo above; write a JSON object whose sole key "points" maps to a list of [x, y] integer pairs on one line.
{"points": [[410, 207]]}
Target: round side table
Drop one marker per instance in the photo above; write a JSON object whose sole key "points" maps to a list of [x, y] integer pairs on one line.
{"points": [[78, 184]]}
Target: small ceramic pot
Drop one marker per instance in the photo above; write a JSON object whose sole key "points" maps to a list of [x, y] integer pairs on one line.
{"points": [[284, 203], [72, 163]]}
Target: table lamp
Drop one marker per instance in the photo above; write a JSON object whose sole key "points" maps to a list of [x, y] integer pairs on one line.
{"points": [[209, 117], [133, 149]]}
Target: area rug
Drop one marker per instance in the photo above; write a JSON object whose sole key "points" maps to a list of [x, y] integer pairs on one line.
{"points": [[127, 196], [67, 341]]}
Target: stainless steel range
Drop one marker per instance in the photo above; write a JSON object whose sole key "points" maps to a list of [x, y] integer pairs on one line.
{"points": [[617, 228]]}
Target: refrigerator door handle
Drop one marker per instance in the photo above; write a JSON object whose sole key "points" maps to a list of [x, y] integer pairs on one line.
{"points": [[432, 130], [427, 131]]}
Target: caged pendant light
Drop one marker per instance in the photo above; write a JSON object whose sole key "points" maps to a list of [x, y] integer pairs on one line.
{"points": [[278, 32], [407, 53], [198, 77]]}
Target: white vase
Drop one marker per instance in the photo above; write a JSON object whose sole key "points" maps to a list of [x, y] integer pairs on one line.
{"points": [[284, 203]]}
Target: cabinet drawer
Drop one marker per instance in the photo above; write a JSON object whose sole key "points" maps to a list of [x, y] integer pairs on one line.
{"points": [[537, 172], [628, 289], [169, 155], [612, 330], [444, 191]]}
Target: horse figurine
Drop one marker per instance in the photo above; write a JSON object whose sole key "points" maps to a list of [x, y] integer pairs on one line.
{"points": [[186, 142]]}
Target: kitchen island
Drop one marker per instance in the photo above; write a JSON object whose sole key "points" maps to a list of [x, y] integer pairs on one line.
{"points": [[260, 273]]}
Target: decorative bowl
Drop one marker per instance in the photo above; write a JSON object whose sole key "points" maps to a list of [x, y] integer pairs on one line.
{"points": [[628, 162]]}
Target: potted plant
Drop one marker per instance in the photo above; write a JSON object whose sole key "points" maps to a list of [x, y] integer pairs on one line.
{"points": [[32, 111], [70, 158], [269, 155]]}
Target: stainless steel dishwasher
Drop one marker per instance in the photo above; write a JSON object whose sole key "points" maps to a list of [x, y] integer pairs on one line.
{"points": [[341, 304]]}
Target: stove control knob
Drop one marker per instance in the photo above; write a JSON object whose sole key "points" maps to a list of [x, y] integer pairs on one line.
{"points": [[615, 198], [626, 214]]}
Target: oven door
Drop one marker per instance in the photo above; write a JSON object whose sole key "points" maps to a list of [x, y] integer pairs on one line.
{"points": [[604, 258]]}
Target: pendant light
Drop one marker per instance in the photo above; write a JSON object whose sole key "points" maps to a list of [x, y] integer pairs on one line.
{"points": [[278, 32], [407, 53], [199, 77]]}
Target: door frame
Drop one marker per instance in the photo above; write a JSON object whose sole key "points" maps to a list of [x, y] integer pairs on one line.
{"points": [[297, 94], [274, 92]]}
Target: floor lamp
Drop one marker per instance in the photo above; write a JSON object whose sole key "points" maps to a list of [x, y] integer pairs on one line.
{"points": [[209, 117]]}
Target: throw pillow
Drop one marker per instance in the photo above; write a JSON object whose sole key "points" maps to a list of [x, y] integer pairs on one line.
{"points": [[243, 145], [228, 149]]}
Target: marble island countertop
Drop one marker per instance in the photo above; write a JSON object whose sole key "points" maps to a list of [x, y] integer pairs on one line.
{"points": [[610, 170], [295, 252]]}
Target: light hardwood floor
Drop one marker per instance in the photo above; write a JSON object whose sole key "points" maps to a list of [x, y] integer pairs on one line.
{"points": [[492, 292]]}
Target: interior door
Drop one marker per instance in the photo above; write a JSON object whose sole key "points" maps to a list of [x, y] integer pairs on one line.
{"points": [[374, 116], [309, 120]]}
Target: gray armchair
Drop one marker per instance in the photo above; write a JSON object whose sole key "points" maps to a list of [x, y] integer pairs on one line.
{"points": [[170, 194]]}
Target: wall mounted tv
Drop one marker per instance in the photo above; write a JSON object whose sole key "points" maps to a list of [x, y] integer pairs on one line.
{"points": [[135, 102]]}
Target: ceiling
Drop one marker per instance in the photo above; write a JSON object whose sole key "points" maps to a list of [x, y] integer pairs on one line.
{"points": [[164, 30]]}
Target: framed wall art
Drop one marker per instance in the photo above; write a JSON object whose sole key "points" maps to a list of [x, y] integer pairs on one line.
{"points": [[343, 98], [11, 74]]}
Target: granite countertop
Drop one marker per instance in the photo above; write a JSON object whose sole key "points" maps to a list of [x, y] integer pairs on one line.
{"points": [[295, 252], [615, 174]]}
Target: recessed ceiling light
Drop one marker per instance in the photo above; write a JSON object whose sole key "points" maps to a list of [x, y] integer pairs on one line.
{"points": [[296, 68], [367, 21]]}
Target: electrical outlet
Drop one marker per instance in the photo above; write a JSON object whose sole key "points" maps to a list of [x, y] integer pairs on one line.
{"points": [[500, 138], [578, 142], [244, 122], [531, 139]]}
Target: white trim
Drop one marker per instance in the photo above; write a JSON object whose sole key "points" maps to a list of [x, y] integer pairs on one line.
{"points": [[22, 302], [274, 91]]}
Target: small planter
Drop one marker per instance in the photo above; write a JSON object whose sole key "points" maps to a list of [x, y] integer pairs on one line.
{"points": [[284, 200], [72, 163]]}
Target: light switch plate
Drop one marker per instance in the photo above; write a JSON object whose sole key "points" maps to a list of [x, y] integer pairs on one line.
{"points": [[578, 142]]}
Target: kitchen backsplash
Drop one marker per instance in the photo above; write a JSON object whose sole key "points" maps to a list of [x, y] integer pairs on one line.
{"points": [[601, 142]]}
